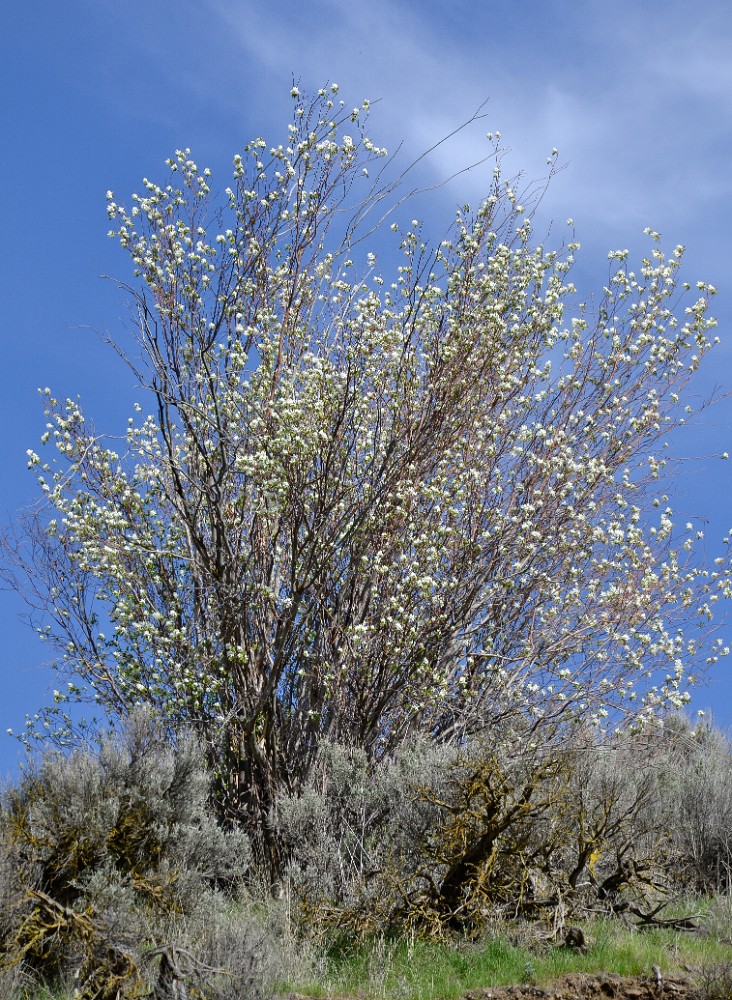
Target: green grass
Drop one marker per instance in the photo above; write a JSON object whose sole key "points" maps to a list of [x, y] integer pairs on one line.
{"points": [[417, 970], [43, 993]]}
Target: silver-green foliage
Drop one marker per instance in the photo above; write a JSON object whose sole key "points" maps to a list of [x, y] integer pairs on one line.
{"points": [[437, 839], [353, 820], [702, 797], [106, 852]]}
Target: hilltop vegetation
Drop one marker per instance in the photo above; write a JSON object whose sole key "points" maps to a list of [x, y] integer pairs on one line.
{"points": [[116, 879]]}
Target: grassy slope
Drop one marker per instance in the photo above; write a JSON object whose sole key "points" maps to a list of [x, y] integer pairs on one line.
{"points": [[415, 970]]}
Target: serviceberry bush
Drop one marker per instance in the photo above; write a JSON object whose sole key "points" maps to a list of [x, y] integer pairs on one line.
{"points": [[364, 501]]}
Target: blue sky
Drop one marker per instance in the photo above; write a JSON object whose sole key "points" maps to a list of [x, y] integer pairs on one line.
{"points": [[97, 93]]}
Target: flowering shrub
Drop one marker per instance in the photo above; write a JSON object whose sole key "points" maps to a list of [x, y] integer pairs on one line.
{"points": [[363, 502]]}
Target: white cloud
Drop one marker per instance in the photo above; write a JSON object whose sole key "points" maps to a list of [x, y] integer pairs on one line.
{"points": [[618, 111]]}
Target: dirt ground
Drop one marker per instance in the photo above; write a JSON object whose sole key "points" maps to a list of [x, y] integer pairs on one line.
{"points": [[580, 986]]}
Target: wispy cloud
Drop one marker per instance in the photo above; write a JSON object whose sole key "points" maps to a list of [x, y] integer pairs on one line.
{"points": [[638, 101]]}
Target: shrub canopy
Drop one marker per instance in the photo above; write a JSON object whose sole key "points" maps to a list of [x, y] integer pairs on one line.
{"points": [[363, 501]]}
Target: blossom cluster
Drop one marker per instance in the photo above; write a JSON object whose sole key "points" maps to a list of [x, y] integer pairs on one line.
{"points": [[361, 505]]}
